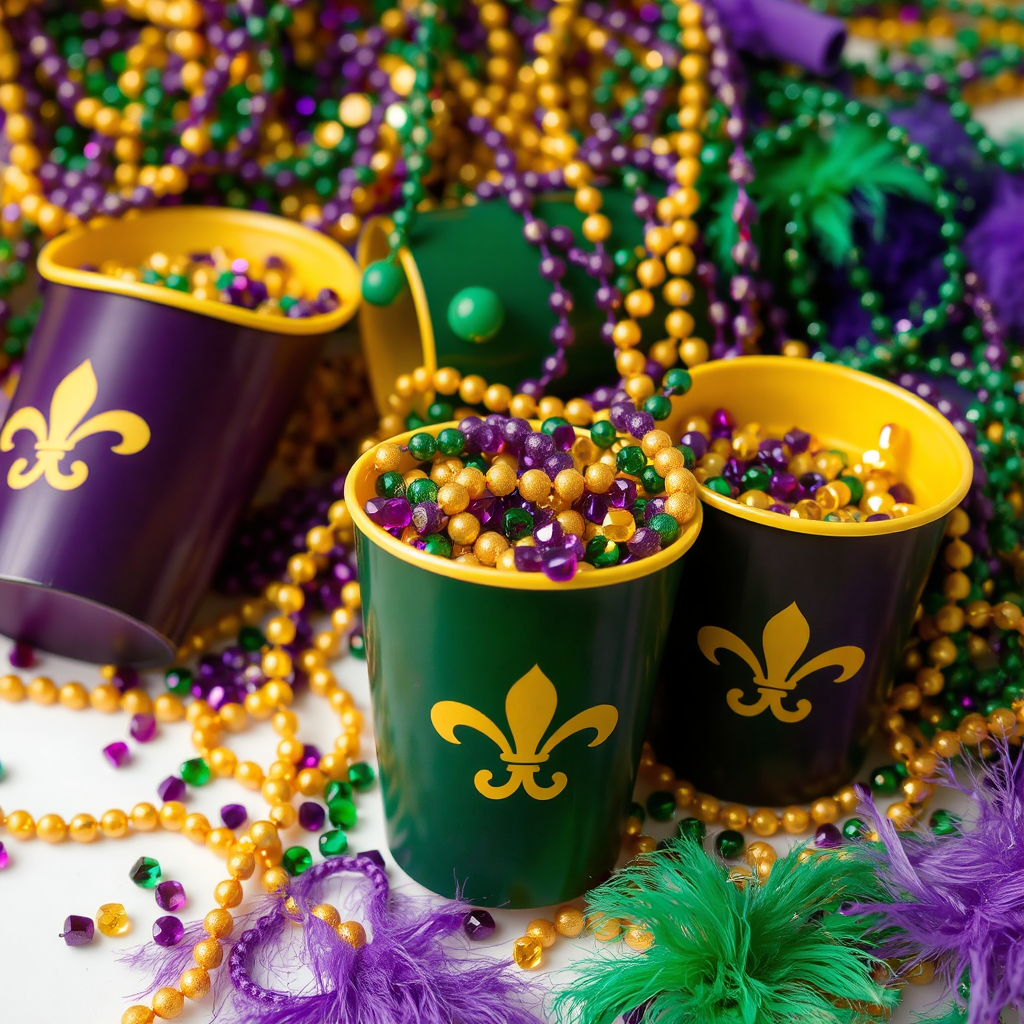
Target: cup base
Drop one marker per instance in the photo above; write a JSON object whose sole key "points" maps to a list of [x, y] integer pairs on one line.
{"points": [[75, 627]]}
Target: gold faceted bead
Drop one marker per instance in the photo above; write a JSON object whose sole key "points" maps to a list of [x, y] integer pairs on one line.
{"points": [[638, 938], [194, 983], [112, 919], [619, 524], [168, 1003], [353, 933], [543, 931], [569, 922], [526, 952]]}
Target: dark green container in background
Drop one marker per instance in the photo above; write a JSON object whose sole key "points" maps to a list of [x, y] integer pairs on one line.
{"points": [[509, 711]]}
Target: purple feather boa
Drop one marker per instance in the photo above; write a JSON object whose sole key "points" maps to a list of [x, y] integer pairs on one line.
{"points": [[995, 249], [404, 974], [959, 900]]}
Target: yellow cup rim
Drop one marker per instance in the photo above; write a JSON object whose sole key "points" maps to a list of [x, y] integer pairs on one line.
{"points": [[330, 252], [815, 367], [496, 577]]}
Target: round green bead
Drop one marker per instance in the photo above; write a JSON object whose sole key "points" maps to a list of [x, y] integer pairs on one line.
{"points": [[436, 544], [637, 811], [856, 488], [250, 638], [719, 485], [689, 459], [422, 446], [196, 772], [659, 407], [666, 526], [476, 314], [601, 552], [855, 828], [885, 781], [333, 843], [552, 423], [421, 490], [603, 434], [944, 823], [382, 283], [631, 460], [652, 480], [678, 380], [517, 523], [342, 813], [357, 646], [179, 681], [451, 441], [661, 805], [337, 790], [692, 828], [757, 478], [390, 485], [440, 412], [729, 844], [296, 860], [361, 775]]}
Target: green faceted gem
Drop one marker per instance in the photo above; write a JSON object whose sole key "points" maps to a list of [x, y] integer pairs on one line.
{"points": [[335, 790], [436, 544], [631, 460], [856, 488], [390, 485], [601, 552], [286, 302], [451, 441], [661, 805], [297, 859], [382, 282], [421, 490], [342, 813], [757, 478], [729, 844], [552, 423], [719, 485], [196, 772], [945, 823], [145, 873], [476, 314], [333, 843], [885, 781], [250, 638], [422, 447], [603, 434], [361, 775], [179, 681], [678, 380], [659, 407], [517, 523], [855, 828], [653, 482], [357, 644], [637, 811], [692, 828], [666, 526]]}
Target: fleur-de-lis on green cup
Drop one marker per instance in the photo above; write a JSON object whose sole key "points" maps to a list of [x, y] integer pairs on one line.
{"points": [[72, 399], [530, 709], [784, 641]]}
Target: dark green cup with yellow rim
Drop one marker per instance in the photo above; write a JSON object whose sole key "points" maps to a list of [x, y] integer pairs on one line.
{"points": [[509, 710]]}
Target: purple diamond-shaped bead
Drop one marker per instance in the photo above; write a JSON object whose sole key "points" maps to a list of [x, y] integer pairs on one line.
{"points": [[478, 924], [311, 816], [172, 788], [22, 656], [233, 815], [310, 756], [170, 895], [142, 728], [827, 837], [78, 931], [375, 855], [5, 857], [168, 931], [117, 753]]}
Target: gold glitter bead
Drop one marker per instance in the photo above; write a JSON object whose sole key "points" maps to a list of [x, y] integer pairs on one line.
{"points": [[208, 953], [168, 1003], [534, 485], [275, 879], [543, 931], [112, 919], [328, 914], [568, 922], [194, 983], [526, 952], [228, 894], [638, 938], [604, 929], [138, 1014], [489, 546], [218, 924], [353, 933]]}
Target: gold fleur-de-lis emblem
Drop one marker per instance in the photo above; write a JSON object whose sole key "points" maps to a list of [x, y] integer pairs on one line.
{"points": [[530, 709], [72, 399], [784, 641]]}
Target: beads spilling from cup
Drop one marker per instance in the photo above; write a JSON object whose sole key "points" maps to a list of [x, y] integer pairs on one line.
{"points": [[268, 287], [793, 474], [496, 493]]}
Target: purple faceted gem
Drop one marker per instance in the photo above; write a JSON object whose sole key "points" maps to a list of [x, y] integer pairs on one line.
{"points": [[78, 931], [233, 815], [22, 656], [527, 559], [125, 679], [902, 494], [558, 566], [549, 535], [168, 931], [772, 454], [375, 855], [783, 486], [653, 508], [827, 837], [117, 753], [622, 493], [142, 728], [809, 484], [798, 440], [310, 756], [696, 442], [311, 816], [426, 517], [783, 510], [878, 517], [564, 436], [391, 513], [644, 543], [170, 895], [478, 925], [595, 507], [172, 788], [722, 423], [5, 857]]}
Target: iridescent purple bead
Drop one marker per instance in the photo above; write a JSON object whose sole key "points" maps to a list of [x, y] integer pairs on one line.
{"points": [[901, 494], [594, 509], [311, 816], [78, 931], [5, 857], [621, 494], [784, 486], [310, 756], [798, 440], [696, 442], [809, 484], [564, 436], [478, 925], [391, 513], [558, 566], [644, 542], [170, 895], [142, 728], [172, 788], [427, 517], [653, 508], [638, 423], [549, 535], [22, 656], [527, 559], [168, 931], [771, 453], [233, 815], [783, 510], [125, 679], [722, 423], [827, 837], [878, 517], [117, 754], [556, 462]]}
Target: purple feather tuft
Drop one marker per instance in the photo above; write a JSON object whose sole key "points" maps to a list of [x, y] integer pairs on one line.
{"points": [[959, 900], [995, 249]]}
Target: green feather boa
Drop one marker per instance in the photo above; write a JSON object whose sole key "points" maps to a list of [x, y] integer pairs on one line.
{"points": [[772, 953]]}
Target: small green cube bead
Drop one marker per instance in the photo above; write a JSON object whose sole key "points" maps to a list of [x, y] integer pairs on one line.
{"points": [[296, 860], [336, 790], [333, 843], [719, 485], [342, 813], [361, 775], [661, 805], [196, 772]]}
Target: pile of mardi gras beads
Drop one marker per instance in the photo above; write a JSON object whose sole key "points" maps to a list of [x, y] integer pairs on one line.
{"points": [[794, 475], [267, 287], [497, 493]]}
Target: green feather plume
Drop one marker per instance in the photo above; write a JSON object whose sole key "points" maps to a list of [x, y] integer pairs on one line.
{"points": [[773, 953]]}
